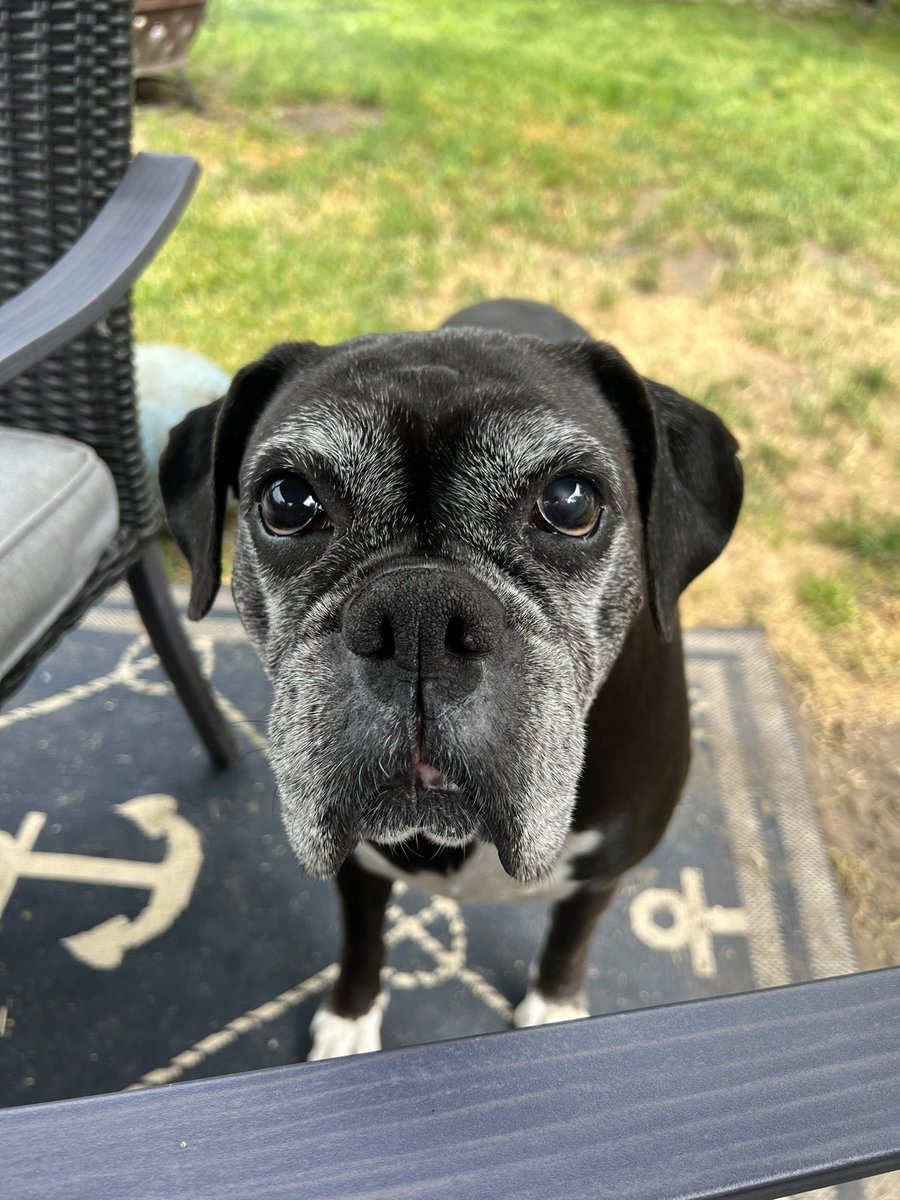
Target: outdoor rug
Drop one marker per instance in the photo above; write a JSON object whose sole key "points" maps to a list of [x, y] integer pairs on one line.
{"points": [[154, 925]]}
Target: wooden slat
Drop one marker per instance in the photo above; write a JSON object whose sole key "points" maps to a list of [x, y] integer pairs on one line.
{"points": [[755, 1095]]}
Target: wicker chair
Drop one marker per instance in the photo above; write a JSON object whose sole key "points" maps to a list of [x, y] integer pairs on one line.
{"points": [[78, 222]]}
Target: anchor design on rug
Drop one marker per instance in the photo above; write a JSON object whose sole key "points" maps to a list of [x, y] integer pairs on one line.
{"points": [[169, 882], [692, 924]]}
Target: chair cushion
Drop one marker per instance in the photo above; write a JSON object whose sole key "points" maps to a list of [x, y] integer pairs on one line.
{"points": [[58, 513]]}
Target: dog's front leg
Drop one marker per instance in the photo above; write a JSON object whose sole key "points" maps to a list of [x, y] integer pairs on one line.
{"points": [[349, 1021], [558, 993]]}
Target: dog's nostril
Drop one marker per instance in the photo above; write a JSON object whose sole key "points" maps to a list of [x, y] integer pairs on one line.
{"points": [[460, 638], [379, 642], [370, 635], [387, 646]]}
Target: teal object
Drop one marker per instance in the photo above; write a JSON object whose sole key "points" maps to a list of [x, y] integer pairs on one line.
{"points": [[170, 382]]}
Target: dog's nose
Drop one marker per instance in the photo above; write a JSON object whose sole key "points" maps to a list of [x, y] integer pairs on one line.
{"points": [[425, 620]]}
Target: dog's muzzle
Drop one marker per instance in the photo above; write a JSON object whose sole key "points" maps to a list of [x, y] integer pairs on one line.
{"points": [[429, 715], [422, 640]]}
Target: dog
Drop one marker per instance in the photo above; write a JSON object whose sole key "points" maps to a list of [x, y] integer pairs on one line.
{"points": [[459, 555]]}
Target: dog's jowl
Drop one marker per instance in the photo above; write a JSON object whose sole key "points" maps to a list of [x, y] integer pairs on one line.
{"points": [[459, 556]]}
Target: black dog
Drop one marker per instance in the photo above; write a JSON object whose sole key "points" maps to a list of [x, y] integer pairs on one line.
{"points": [[459, 556]]}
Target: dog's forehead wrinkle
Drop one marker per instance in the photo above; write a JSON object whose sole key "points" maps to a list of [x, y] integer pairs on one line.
{"points": [[348, 438], [446, 360], [427, 380], [509, 447], [388, 398]]}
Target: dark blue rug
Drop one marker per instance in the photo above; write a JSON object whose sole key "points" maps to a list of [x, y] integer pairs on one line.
{"points": [[154, 925]]}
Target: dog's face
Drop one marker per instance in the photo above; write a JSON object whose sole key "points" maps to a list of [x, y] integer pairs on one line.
{"points": [[443, 541]]}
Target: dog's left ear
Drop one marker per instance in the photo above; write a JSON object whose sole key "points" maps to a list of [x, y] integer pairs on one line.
{"points": [[690, 482], [203, 457]]}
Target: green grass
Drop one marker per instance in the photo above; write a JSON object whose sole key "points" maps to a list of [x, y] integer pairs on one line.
{"points": [[723, 397], [529, 119], [765, 468], [829, 600], [809, 415], [872, 536], [861, 403], [856, 401], [646, 277]]}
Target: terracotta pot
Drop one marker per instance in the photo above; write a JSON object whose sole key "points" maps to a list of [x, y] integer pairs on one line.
{"points": [[163, 31]]}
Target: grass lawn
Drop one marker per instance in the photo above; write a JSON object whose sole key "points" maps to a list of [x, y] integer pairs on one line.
{"points": [[712, 188]]}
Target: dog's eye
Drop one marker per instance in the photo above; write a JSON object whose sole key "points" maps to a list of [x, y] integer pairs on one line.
{"points": [[568, 505], [288, 505]]}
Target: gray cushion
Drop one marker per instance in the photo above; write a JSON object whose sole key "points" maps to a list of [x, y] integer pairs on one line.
{"points": [[58, 513]]}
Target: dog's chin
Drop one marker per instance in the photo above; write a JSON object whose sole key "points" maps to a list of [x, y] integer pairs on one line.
{"points": [[398, 813], [438, 811]]}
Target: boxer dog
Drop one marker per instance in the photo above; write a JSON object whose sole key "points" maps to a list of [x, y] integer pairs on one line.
{"points": [[459, 555]]}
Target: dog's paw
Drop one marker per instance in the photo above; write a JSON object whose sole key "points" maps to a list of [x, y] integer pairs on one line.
{"points": [[336, 1037], [536, 1009]]}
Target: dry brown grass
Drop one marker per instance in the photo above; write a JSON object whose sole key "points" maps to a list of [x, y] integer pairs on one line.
{"points": [[771, 356]]}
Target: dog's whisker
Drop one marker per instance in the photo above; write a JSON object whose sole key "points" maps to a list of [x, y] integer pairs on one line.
{"points": [[245, 754]]}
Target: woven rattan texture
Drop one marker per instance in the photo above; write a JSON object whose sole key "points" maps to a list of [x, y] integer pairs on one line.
{"points": [[65, 142], [65, 133]]}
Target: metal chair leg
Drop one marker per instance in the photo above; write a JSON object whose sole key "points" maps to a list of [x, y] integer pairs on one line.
{"points": [[188, 92], [150, 588]]}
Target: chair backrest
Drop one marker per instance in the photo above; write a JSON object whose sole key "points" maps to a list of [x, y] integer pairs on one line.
{"points": [[65, 142]]}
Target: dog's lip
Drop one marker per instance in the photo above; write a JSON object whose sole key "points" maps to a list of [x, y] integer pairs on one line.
{"points": [[439, 785], [402, 806], [430, 779], [425, 776]]}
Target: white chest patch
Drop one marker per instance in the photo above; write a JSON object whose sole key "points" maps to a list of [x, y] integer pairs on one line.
{"points": [[481, 877]]}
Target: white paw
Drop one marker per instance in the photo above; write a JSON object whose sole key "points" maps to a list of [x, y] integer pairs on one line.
{"points": [[335, 1037], [536, 1009]]}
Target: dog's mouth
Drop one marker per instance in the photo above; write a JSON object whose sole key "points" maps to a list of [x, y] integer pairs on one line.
{"points": [[425, 777], [417, 773], [420, 798], [453, 775]]}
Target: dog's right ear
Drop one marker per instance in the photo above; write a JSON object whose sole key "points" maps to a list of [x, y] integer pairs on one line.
{"points": [[689, 479], [203, 457]]}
